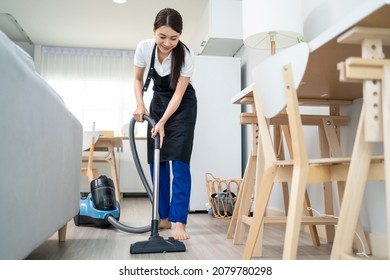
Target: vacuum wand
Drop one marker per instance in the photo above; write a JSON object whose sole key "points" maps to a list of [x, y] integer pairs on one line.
{"points": [[156, 174], [156, 243]]}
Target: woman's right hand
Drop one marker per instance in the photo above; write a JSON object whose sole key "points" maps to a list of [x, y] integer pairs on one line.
{"points": [[139, 112]]}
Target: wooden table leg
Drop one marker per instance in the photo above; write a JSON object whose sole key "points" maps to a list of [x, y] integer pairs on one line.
{"points": [[247, 191], [112, 161], [386, 143], [353, 195], [373, 128], [332, 139], [255, 231], [244, 196]]}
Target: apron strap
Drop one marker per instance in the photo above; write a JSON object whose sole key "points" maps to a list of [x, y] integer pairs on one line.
{"points": [[151, 69]]}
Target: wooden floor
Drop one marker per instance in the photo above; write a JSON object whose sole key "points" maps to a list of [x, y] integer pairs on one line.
{"points": [[208, 240]]}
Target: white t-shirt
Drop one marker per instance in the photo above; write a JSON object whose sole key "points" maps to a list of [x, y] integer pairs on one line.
{"points": [[143, 55]]}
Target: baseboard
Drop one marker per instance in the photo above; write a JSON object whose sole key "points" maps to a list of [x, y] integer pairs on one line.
{"points": [[377, 242], [134, 194]]}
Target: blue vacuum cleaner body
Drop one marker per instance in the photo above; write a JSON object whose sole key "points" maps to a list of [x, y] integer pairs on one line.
{"points": [[100, 202]]}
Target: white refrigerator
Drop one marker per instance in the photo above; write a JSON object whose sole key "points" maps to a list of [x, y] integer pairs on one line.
{"points": [[217, 143]]}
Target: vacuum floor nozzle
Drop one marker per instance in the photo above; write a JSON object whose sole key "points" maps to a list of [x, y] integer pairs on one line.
{"points": [[157, 244]]}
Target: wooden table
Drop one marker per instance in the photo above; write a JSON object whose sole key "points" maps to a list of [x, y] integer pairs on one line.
{"points": [[321, 80], [108, 145], [321, 84]]}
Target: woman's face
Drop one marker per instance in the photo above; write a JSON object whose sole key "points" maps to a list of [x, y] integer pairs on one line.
{"points": [[166, 39]]}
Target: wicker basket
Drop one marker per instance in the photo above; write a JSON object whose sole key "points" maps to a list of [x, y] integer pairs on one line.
{"points": [[222, 195]]}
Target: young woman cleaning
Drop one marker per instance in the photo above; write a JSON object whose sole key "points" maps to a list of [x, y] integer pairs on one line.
{"points": [[174, 108]]}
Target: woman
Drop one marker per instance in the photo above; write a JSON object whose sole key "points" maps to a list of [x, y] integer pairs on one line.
{"points": [[174, 108]]}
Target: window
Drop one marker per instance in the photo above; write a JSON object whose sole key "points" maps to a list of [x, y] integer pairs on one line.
{"points": [[95, 84]]}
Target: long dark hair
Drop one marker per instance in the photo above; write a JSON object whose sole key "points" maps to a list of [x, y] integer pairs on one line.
{"points": [[172, 18]]}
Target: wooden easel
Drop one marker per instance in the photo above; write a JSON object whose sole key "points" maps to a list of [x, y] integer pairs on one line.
{"points": [[373, 71]]}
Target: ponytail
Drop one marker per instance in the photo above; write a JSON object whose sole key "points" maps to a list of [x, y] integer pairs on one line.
{"points": [[178, 59]]}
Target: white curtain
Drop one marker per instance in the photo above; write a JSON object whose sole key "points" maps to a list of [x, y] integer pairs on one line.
{"points": [[96, 84]]}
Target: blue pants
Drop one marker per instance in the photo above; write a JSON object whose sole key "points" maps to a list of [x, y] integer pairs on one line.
{"points": [[174, 208]]}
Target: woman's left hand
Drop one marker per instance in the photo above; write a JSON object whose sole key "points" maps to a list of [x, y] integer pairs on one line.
{"points": [[159, 128]]}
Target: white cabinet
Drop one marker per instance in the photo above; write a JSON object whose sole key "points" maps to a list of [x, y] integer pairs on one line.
{"points": [[129, 179], [217, 143], [220, 30]]}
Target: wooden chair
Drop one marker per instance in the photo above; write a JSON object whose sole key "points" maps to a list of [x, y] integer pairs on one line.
{"points": [[274, 90], [89, 171], [241, 215]]}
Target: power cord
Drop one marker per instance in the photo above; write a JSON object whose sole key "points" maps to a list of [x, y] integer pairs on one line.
{"points": [[362, 254]]}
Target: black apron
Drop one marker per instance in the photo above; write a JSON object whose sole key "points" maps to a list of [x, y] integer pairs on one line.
{"points": [[179, 129]]}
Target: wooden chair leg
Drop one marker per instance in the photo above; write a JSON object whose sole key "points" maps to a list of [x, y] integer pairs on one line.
{"points": [[297, 197], [264, 192], [312, 229], [280, 151], [112, 161], [95, 174]]}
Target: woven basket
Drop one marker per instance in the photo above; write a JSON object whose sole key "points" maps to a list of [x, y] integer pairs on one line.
{"points": [[222, 195]]}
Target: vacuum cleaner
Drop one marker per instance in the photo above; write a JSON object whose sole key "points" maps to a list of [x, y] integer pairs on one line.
{"points": [[99, 204], [101, 208]]}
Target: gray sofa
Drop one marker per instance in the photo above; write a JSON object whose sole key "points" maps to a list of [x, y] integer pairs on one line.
{"points": [[40, 156]]}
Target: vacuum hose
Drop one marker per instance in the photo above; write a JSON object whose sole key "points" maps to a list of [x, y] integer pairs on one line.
{"points": [[135, 155], [111, 219]]}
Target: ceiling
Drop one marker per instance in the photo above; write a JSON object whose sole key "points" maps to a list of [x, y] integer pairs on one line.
{"points": [[96, 23]]}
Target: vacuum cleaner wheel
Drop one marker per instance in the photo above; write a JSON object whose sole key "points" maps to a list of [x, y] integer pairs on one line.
{"points": [[76, 219]]}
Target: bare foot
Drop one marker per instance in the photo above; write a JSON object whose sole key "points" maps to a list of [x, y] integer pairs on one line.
{"points": [[164, 224], [180, 232]]}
